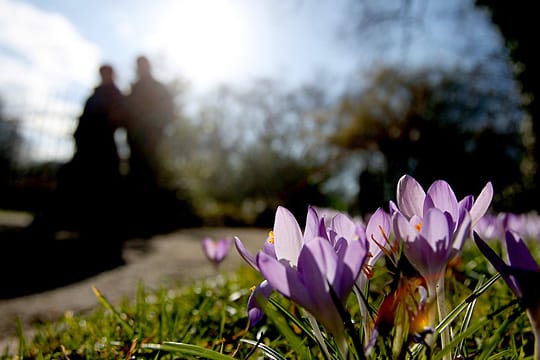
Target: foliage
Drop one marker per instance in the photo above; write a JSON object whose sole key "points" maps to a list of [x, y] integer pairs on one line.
{"points": [[430, 122], [248, 150], [514, 24]]}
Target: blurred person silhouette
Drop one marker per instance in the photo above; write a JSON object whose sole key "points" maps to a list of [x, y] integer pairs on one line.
{"points": [[95, 143], [151, 109], [88, 185]]}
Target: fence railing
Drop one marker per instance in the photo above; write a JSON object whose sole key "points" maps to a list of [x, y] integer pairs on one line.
{"points": [[40, 140]]}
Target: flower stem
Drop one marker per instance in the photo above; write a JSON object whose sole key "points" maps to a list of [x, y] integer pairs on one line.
{"points": [[442, 312], [532, 314], [317, 333]]}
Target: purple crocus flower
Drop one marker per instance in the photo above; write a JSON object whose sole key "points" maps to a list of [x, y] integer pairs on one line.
{"points": [[290, 241], [428, 241], [285, 246], [411, 213], [433, 226], [413, 200], [216, 250], [321, 269], [521, 273], [261, 292], [290, 238]]}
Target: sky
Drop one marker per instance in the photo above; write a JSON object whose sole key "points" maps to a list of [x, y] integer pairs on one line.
{"points": [[50, 50]]}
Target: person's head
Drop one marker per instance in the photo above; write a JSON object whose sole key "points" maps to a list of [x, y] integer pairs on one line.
{"points": [[144, 69], [106, 72]]}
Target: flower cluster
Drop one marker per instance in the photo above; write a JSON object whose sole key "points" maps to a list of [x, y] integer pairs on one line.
{"points": [[493, 226], [318, 267]]}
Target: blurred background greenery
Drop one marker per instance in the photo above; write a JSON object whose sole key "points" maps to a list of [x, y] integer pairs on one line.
{"points": [[250, 148]]}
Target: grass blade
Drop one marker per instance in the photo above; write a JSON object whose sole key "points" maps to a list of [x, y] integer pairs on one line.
{"points": [[465, 303], [300, 324], [115, 313], [268, 351], [188, 349], [274, 315]]}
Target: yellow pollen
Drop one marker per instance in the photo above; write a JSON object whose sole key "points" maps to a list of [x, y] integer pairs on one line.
{"points": [[418, 226], [252, 289], [271, 237]]}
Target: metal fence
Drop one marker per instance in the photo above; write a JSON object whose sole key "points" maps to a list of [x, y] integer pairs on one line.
{"points": [[38, 139]]}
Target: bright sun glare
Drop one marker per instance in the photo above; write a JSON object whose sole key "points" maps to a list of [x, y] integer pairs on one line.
{"points": [[205, 39]]}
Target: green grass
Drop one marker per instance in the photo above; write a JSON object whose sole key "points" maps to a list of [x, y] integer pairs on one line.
{"points": [[208, 319]]}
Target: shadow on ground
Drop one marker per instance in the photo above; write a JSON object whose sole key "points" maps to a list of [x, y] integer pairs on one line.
{"points": [[37, 257], [33, 261]]}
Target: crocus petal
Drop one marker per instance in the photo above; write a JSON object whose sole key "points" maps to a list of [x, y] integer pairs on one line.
{"points": [[522, 279], [379, 225], [312, 223], [416, 249], [392, 206], [429, 250], [419, 254], [428, 204], [283, 278], [482, 203], [444, 198], [527, 282], [377, 233], [356, 256], [410, 196], [269, 249], [288, 237], [245, 253], [462, 233], [316, 262], [223, 246], [322, 259], [464, 207], [437, 227], [351, 258], [344, 226], [333, 236], [467, 202], [209, 247], [403, 229], [519, 255]]}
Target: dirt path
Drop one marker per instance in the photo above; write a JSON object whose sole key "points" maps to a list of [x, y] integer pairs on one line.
{"points": [[161, 260]]}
